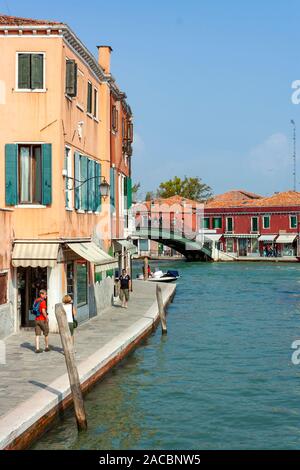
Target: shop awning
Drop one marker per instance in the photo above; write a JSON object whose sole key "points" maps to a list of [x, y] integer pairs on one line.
{"points": [[214, 237], [35, 255], [240, 235], [94, 254], [267, 238], [130, 247], [286, 238]]}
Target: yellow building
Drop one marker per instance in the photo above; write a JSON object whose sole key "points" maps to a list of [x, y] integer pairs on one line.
{"points": [[55, 165]]}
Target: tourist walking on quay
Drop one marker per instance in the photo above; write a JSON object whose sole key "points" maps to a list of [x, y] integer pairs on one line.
{"points": [[41, 321], [71, 314], [125, 285]]}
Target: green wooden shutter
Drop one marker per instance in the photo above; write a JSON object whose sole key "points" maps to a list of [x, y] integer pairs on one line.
{"points": [[24, 71], [84, 187], [11, 174], [37, 71], [77, 178], [98, 198], [112, 188], [90, 98], [129, 192], [46, 174], [91, 184], [71, 78]]}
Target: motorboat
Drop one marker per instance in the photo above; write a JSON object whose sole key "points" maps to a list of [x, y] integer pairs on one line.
{"points": [[160, 276]]}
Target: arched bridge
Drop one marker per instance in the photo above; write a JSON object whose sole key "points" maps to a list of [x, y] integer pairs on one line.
{"points": [[188, 246]]}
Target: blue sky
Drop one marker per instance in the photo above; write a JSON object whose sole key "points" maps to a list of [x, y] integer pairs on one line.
{"points": [[209, 83]]}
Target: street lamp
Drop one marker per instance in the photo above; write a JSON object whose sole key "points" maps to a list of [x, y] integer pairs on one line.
{"points": [[104, 186]]}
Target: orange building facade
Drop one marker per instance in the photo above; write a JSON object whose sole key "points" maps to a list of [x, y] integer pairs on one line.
{"points": [[55, 154]]}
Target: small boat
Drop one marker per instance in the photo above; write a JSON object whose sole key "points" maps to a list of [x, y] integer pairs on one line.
{"points": [[169, 276]]}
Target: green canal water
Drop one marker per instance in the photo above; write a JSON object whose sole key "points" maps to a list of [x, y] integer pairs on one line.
{"points": [[222, 379]]}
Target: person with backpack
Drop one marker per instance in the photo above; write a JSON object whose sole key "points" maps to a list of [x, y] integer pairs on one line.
{"points": [[41, 321]]}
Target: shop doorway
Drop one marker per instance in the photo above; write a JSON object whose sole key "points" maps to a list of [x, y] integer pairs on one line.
{"points": [[30, 282], [243, 243]]}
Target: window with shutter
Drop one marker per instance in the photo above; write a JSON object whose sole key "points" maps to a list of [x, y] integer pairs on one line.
{"points": [[77, 181], [95, 103], [37, 71], [83, 179], [90, 98], [24, 71], [11, 174], [91, 185], [112, 188], [71, 78], [31, 71]]}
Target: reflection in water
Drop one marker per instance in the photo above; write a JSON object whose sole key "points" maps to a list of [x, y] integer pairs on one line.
{"points": [[221, 379]]}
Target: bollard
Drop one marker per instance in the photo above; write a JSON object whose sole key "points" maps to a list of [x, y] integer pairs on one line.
{"points": [[67, 344]]}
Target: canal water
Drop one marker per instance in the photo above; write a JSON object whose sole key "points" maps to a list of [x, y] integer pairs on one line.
{"points": [[223, 378]]}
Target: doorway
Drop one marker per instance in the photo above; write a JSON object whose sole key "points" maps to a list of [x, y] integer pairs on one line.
{"points": [[243, 243], [30, 282]]}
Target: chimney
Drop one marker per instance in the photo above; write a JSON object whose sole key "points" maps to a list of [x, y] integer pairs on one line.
{"points": [[104, 53]]}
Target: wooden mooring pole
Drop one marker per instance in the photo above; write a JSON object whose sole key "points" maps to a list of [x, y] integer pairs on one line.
{"points": [[162, 312], [67, 344], [146, 264]]}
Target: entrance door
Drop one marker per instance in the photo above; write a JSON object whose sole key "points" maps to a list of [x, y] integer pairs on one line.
{"points": [[243, 242], [30, 282]]}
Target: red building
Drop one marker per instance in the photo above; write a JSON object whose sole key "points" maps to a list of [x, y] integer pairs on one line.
{"points": [[235, 225], [244, 224]]}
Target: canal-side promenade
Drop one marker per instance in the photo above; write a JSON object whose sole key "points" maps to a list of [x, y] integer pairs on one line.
{"points": [[35, 388]]}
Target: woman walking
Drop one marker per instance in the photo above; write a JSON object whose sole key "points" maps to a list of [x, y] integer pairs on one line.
{"points": [[71, 314]]}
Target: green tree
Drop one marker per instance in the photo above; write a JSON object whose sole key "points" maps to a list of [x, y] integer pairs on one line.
{"points": [[189, 188], [150, 195], [136, 187]]}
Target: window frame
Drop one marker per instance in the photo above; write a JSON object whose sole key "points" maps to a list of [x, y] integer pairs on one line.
{"points": [[33, 202], [213, 223], [30, 90], [296, 218], [95, 104], [232, 224], [89, 110], [114, 119], [264, 225], [70, 169], [252, 228]]}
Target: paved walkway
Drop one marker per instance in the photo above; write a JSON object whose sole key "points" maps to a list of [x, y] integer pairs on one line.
{"points": [[26, 373]]}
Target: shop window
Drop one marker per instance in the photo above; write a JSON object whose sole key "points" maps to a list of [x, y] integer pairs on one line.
{"points": [[3, 288], [81, 284], [70, 279], [229, 245]]}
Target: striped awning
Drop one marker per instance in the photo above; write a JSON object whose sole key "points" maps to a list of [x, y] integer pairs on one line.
{"points": [[214, 237], [286, 238], [129, 247], [241, 235], [267, 238], [94, 254], [35, 255]]}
